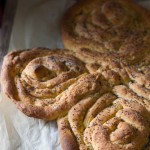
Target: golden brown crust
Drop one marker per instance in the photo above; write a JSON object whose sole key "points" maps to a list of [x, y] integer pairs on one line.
{"points": [[109, 108], [35, 79], [46, 84], [119, 27], [66, 135], [116, 117]]}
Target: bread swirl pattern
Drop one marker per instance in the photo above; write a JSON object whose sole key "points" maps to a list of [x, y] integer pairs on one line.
{"points": [[116, 27], [116, 119], [44, 83]]}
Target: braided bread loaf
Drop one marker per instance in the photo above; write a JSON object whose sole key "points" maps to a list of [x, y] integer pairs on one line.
{"points": [[116, 27], [116, 118]]}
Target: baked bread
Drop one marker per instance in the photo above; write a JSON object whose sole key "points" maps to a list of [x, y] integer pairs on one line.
{"points": [[119, 28], [116, 118], [46, 83]]}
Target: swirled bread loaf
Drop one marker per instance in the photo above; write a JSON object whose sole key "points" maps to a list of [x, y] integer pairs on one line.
{"points": [[116, 27], [116, 118], [44, 83]]}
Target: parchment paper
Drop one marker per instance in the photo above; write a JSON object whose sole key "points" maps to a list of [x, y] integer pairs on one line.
{"points": [[37, 23]]}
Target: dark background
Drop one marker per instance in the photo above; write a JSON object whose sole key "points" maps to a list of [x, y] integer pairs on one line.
{"points": [[2, 6]]}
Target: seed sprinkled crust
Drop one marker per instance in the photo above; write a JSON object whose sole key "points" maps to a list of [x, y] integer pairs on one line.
{"points": [[118, 28], [38, 81], [46, 83], [117, 118]]}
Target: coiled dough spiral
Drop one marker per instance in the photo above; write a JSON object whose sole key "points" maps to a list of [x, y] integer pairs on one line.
{"points": [[46, 83], [114, 118], [116, 27]]}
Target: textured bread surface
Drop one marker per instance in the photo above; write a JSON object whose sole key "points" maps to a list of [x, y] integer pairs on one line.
{"points": [[113, 118], [108, 103], [45, 83], [119, 28]]}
